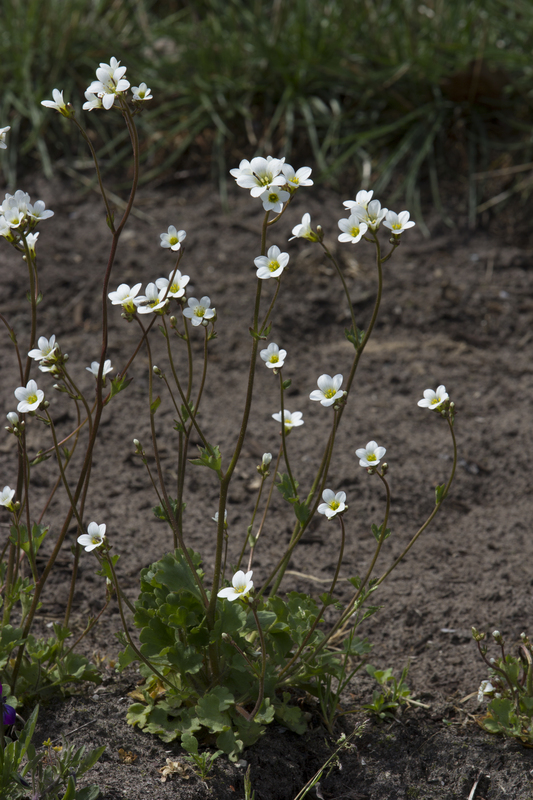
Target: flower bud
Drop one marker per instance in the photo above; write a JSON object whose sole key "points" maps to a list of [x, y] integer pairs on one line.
{"points": [[13, 418]]}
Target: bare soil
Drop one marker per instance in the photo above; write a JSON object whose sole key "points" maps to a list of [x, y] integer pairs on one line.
{"points": [[457, 310]]}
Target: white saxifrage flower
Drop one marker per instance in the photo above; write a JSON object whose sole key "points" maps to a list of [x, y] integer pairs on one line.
{"points": [[362, 199], [93, 538], [299, 178], [303, 230], [38, 210], [352, 229], [271, 265], [372, 215], [13, 418], [3, 132], [433, 399], [110, 82], [141, 92], [57, 103], [31, 241], [175, 283], [333, 503], [172, 238], [290, 420], [259, 174], [95, 366], [93, 101], [215, 518], [273, 357], [30, 397], [485, 688], [154, 300], [398, 223], [126, 297], [6, 497], [371, 455], [45, 349], [242, 586], [329, 390], [273, 199], [199, 311]]}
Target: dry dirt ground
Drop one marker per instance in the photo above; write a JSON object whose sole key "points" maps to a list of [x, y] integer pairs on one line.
{"points": [[457, 310]]}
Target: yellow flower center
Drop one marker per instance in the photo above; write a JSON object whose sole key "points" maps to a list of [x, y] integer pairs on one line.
{"points": [[199, 311], [174, 288], [435, 401], [329, 393], [273, 266], [396, 226], [273, 197], [173, 240], [354, 231], [371, 457], [32, 399], [334, 505], [274, 358]]}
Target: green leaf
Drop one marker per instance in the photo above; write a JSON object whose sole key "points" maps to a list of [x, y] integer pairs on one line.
{"points": [[189, 742], [212, 709], [285, 487], [209, 457], [118, 384], [302, 511], [377, 532], [357, 338], [286, 384], [440, 493], [155, 405]]}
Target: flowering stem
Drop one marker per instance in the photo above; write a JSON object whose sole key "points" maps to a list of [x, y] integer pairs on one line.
{"points": [[272, 303], [13, 338], [263, 664], [284, 440], [345, 287], [263, 518], [324, 605]]}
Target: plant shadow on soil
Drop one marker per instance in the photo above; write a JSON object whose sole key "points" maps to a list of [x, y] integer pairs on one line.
{"points": [[457, 310]]}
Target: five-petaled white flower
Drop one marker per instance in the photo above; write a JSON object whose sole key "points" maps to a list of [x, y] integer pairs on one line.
{"points": [[303, 231], [30, 397], [433, 399], [372, 214], [242, 586], [299, 178], [172, 238], [271, 265], [199, 311], [398, 223], [93, 101], [3, 132], [58, 102], [153, 300], [38, 210], [31, 241], [273, 199], [362, 199], [259, 174], [93, 538], [95, 366], [141, 92], [110, 83], [175, 283], [126, 297], [328, 391], [486, 689], [273, 357], [371, 455], [6, 497], [352, 229], [333, 503], [45, 349], [290, 420]]}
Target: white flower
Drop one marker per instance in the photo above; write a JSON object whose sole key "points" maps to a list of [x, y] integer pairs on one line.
{"points": [[352, 229], [20, 200], [271, 265], [199, 311], [175, 283], [243, 169], [126, 297], [6, 496], [215, 518], [371, 455], [333, 503], [242, 586], [5, 227], [273, 199], [290, 421], [328, 391], [93, 538], [295, 179], [45, 349], [172, 238], [30, 397], [13, 214], [433, 399], [58, 102], [398, 223], [485, 688], [303, 231], [13, 418], [37, 211], [3, 132], [362, 199], [93, 101], [265, 461], [154, 300], [31, 241], [109, 83], [141, 92], [372, 215], [273, 357], [95, 366], [260, 174]]}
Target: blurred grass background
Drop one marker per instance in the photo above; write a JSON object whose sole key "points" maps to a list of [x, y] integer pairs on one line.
{"points": [[387, 94]]}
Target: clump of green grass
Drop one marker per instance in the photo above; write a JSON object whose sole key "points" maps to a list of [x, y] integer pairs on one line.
{"points": [[380, 86]]}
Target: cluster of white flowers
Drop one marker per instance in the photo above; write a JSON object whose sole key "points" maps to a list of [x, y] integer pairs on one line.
{"points": [[110, 83], [367, 214], [271, 179], [19, 216]]}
